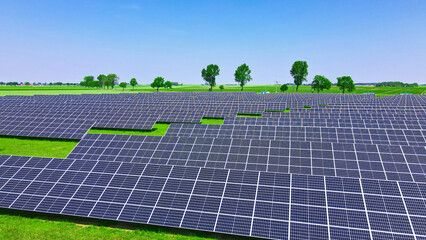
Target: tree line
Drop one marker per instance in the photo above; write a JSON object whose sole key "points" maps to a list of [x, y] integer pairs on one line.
{"points": [[396, 84], [298, 71], [28, 84], [111, 80], [242, 75]]}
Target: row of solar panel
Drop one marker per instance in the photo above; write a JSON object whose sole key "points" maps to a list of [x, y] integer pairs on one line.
{"points": [[229, 201], [305, 134], [318, 122], [45, 127], [404, 163], [143, 107], [294, 114]]}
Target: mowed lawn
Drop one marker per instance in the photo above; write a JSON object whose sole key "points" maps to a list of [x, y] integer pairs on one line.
{"points": [[36, 147], [56, 90]]}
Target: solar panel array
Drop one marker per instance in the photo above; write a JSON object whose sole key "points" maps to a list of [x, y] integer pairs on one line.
{"points": [[307, 134], [353, 169], [44, 127]]}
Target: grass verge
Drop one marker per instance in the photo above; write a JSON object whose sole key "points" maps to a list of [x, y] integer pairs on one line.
{"points": [[36, 147], [215, 121], [159, 129]]}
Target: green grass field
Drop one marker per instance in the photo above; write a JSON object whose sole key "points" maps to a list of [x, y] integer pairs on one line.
{"points": [[159, 129], [55, 90], [214, 121], [36, 147]]}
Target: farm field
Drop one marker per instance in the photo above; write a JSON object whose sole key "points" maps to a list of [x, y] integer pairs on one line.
{"points": [[56, 90]]}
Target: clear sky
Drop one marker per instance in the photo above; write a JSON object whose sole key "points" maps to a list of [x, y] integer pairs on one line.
{"points": [[372, 41]]}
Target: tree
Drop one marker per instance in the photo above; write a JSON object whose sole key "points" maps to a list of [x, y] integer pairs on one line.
{"points": [[113, 78], [299, 71], [133, 82], [27, 83], [345, 83], [168, 84], [395, 84], [102, 78], [123, 85], [284, 88], [320, 83], [96, 84], [87, 79], [158, 82], [107, 83], [209, 75], [242, 75], [221, 87]]}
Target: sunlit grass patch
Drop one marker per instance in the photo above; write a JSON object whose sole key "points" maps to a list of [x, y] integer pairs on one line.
{"points": [[34, 147], [215, 121], [159, 129]]}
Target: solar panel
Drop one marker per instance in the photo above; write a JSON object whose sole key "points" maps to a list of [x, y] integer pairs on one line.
{"points": [[352, 168], [373, 161], [310, 134], [44, 127], [238, 202]]}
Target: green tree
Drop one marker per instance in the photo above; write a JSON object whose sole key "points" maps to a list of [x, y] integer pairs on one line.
{"points": [[2, 83], [221, 87], [320, 83], [113, 78], [158, 82], [87, 79], [284, 88], [345, 83], [209, 75], [299, 71], [242, 75], [27, 83], [107, 83], [133, 82], [96, 84], [102, 78], [168, 84], [123, 85]]}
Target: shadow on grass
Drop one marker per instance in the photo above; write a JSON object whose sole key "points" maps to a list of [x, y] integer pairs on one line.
{"points": [[255, 115], [159, 129], [118, 224], [286, 110], [41, 138]]}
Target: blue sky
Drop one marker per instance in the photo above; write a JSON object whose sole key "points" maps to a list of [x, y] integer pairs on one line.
{"points": [[372, 41]]}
